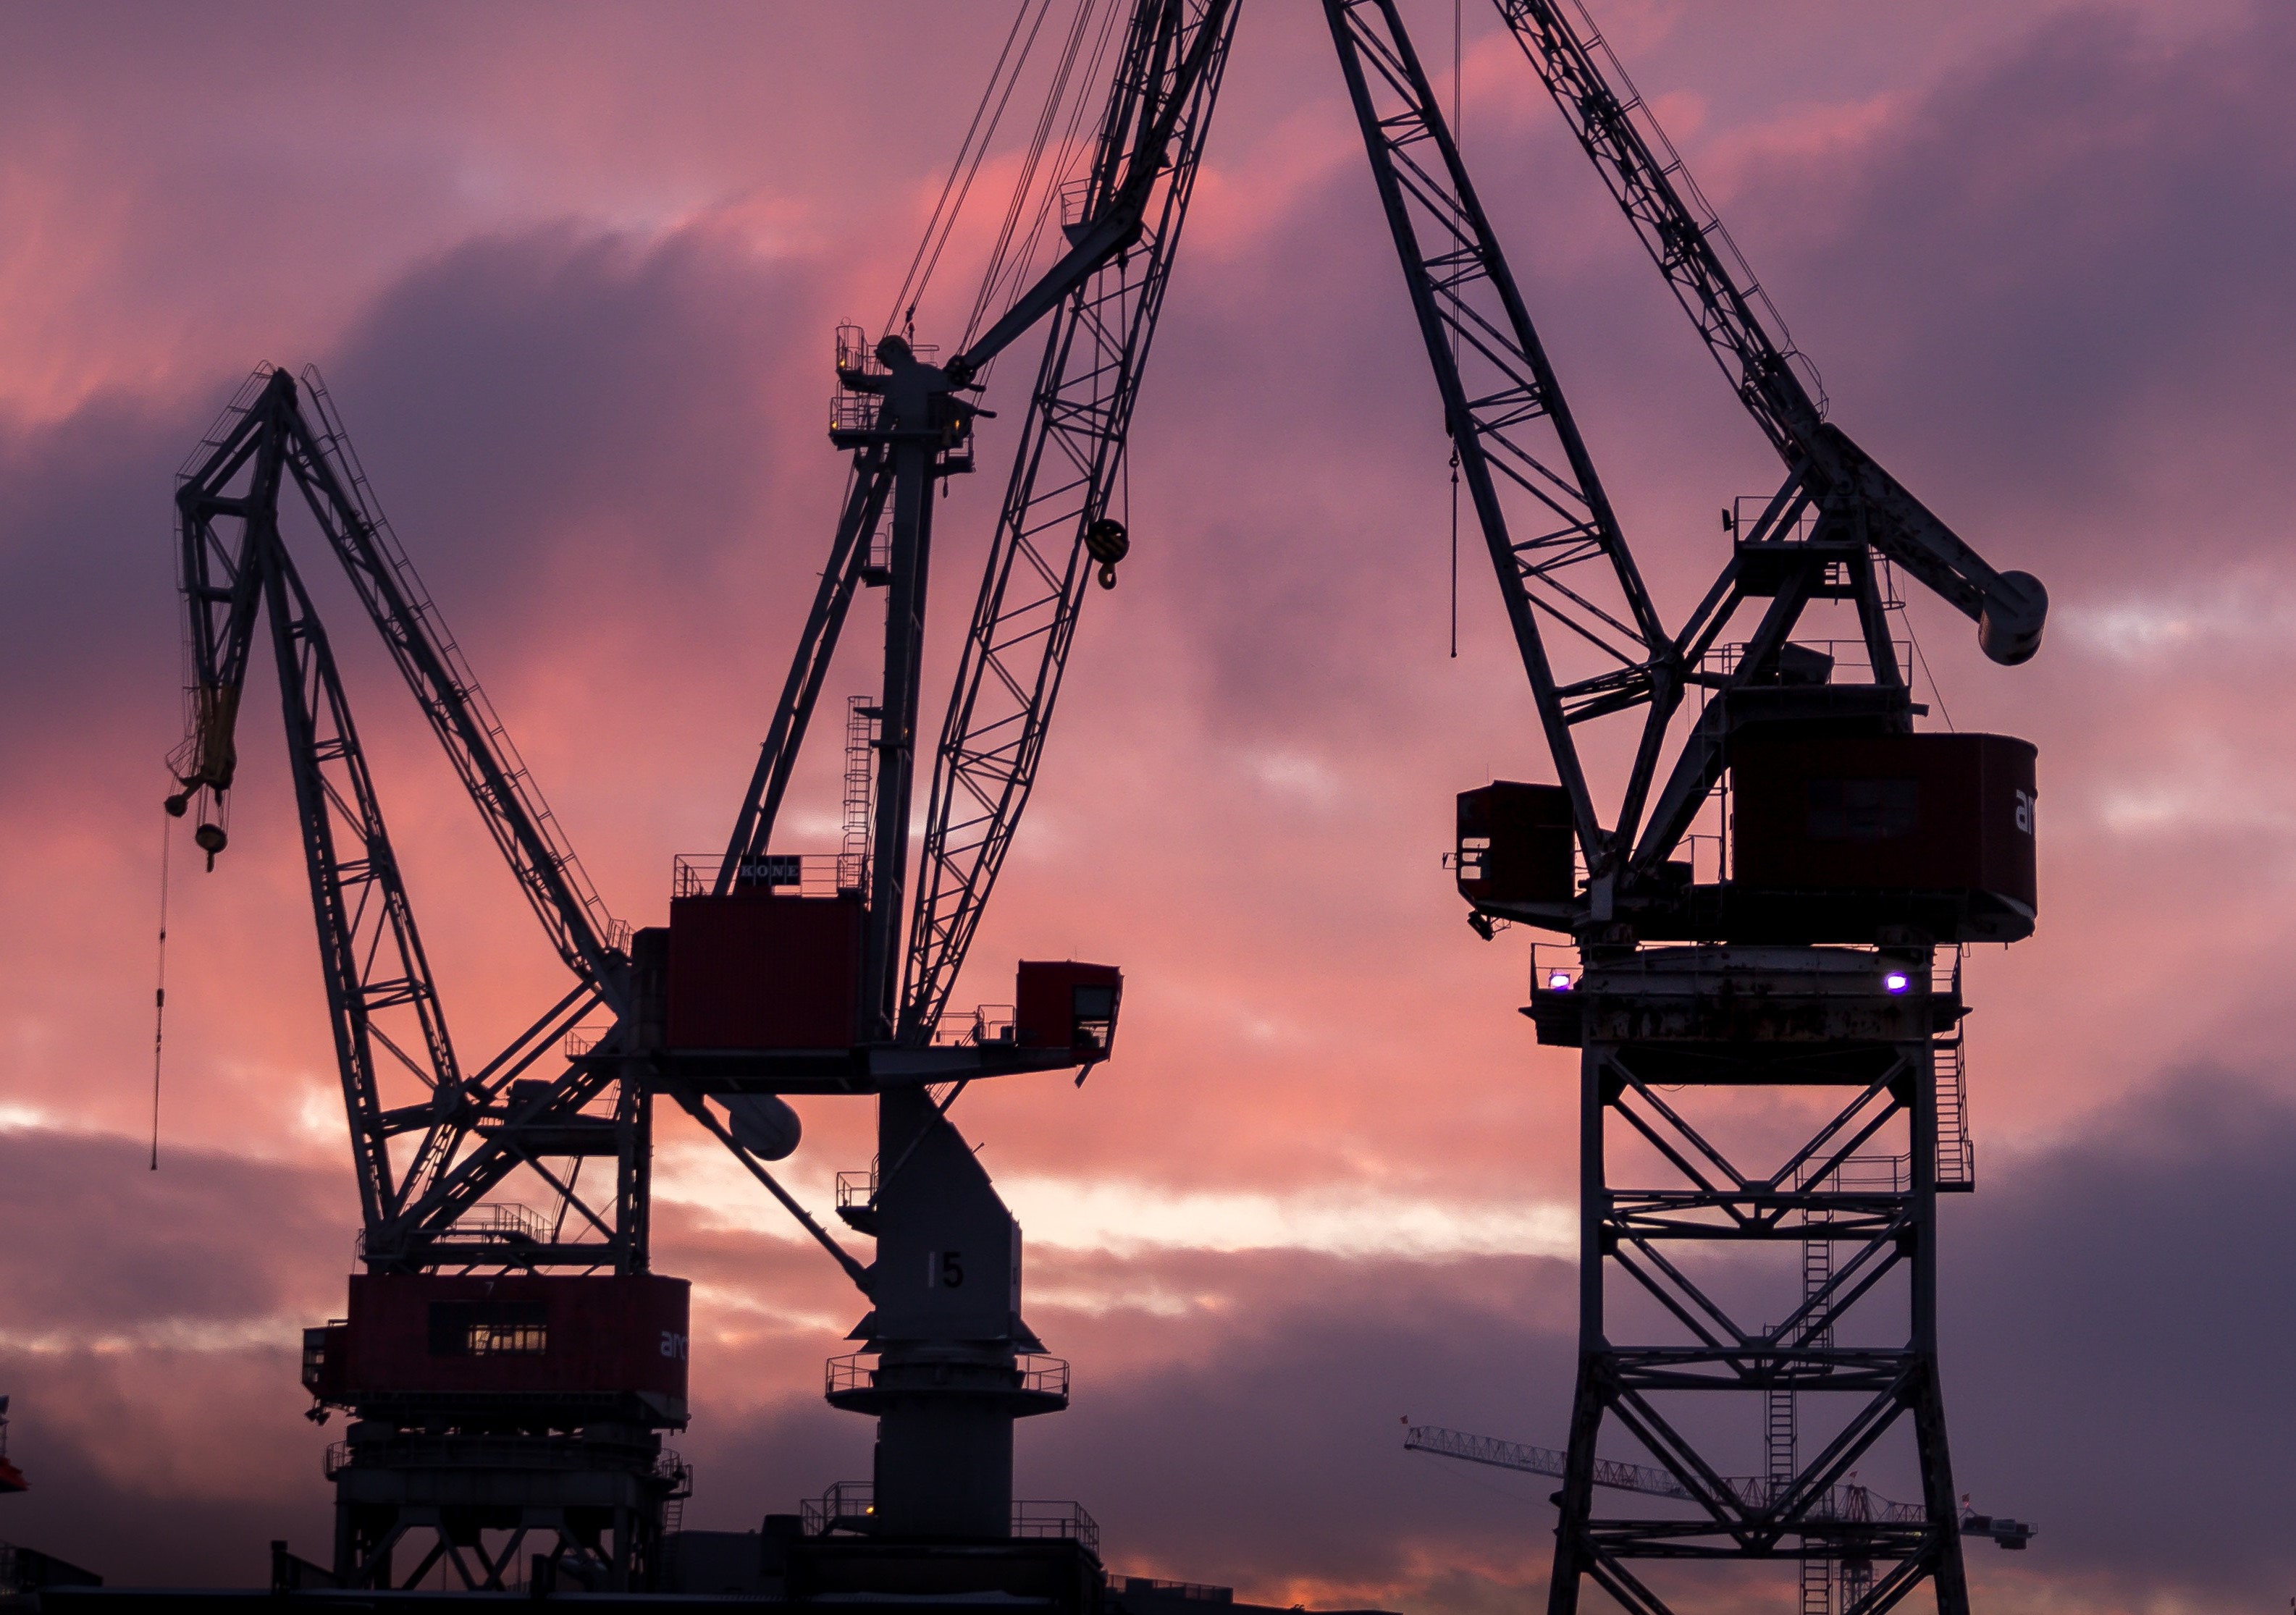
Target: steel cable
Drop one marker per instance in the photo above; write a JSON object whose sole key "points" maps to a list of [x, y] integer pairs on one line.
{"points": [[160, 993], [969, 153]]}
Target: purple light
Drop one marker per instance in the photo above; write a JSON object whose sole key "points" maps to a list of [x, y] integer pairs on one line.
{"points": [[1895, 982], [1558, 980]]}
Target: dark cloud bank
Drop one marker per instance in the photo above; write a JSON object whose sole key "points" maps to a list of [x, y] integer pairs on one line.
{"points": [[2119, 1305], [2117, 1311]]}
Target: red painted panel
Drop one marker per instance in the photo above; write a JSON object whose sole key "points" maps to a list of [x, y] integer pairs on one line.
{"points": [[752, 971], [1918, 812], [1062, 1003], [1516, 844], [531, 1335]]}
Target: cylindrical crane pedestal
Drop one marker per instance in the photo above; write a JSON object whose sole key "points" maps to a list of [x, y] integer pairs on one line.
{"points": [[949, 1364]]}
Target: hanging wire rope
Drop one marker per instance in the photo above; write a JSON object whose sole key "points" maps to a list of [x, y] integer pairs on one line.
{"points": [[160, 993], [1031, 206], [1009, 266], [1454, 554], [1032, 153], [969, 153], [1894, 602]]}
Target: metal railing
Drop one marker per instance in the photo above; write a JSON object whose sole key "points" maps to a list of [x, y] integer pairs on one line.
{"points": [[807, 874], [852, 409], [1956, 1150], [856, 1370], [1041, 1517], [990, 1025], [1199, 1590], [1044, 1374], [851, 1505], [1745, 519], [1846, 656], [1031, 1372], [846, 1506], [1554, 967], [494, 1222]]}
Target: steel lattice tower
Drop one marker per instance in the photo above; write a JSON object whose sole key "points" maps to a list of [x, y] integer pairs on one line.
{"points": [[1676, 1197]]}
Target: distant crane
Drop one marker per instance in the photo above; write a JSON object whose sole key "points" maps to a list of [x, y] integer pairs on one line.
{"points": [[1847, 1502]]}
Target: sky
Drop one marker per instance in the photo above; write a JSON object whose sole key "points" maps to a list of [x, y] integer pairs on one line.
{"points": [[571, 271]]}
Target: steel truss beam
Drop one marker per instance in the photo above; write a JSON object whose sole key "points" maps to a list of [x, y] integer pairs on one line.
{"points": [[1064, 471], [1861, 1337], [1103, 300], [1559, 558], [1709, 277], [425, 1166], [865, 494]]}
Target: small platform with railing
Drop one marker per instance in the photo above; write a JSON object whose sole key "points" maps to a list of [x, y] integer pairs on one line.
{"points": [[1034, 1384], [659, 1471], [851, 1506], [787, 874], [1728, 993]]}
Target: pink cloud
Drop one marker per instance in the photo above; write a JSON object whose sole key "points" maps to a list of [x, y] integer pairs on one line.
{"points": [[571, 276]]}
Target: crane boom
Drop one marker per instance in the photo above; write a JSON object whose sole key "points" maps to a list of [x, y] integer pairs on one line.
{"points": [[1103, 295], [1652, 186], [1065, 469], [1510, 426], [422, 1165], [1845, 1502]]}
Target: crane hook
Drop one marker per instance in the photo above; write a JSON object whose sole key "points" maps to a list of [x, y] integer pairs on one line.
{"points": [[1107, 542]]}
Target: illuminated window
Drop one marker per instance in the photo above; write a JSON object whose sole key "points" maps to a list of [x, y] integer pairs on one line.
{"points": [[488, 1339]]}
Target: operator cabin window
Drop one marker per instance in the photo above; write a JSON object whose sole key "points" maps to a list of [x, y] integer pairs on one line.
{"points": [[1092, 1007], [1863, 810], [489, 1329]]}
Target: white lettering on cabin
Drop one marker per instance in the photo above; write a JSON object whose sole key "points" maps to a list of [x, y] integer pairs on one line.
{"points": [[673, 1345], [2025, 804]]}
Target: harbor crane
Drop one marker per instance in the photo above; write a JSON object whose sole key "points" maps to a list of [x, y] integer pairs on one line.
{"points": [[1815, 973], [509, 1370]]}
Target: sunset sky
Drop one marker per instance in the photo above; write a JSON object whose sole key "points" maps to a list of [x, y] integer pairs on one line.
{"points": [[570, 272]]}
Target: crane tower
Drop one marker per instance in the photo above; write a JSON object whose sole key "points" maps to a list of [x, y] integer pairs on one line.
{"points": [[1815, 973]]}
